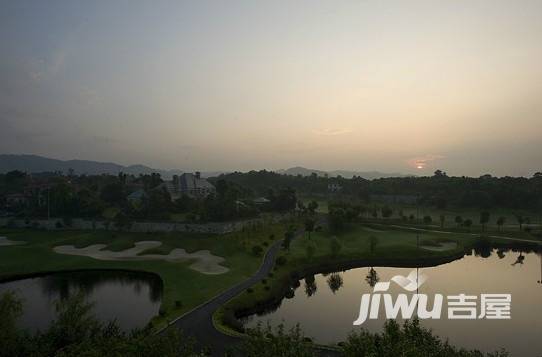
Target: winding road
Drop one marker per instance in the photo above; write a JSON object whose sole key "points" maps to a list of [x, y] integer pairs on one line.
{"points": [[199, 321]]}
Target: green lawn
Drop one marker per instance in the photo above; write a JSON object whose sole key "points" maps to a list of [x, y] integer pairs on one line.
{"points": [[511, 224], [355, 245], [181, 283]]}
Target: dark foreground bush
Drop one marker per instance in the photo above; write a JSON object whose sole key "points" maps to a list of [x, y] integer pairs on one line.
{"points": [[408, 340], [76, 332]]}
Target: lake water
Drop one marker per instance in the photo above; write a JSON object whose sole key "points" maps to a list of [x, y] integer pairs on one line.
{"points": [[327, 316], [130, 298]]}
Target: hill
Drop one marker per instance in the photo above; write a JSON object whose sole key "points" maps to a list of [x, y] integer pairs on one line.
{"points": [[369, 175]]}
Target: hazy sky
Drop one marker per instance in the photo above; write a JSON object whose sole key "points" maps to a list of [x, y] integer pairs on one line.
{"points": [[222, 85]]}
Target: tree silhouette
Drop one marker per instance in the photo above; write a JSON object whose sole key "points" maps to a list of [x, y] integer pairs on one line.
{"points": [[310, 285], [288, 236], [458, 220], [335, 246], [309, 250], [484, 219], [313, 206], [500, 222], [335, 282], [520, 220], [372, 277], [468, 223], [309, 226]]}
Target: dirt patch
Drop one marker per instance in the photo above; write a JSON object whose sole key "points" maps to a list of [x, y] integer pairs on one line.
{"points": [[204, 261], [6, 242], [443, 246]]}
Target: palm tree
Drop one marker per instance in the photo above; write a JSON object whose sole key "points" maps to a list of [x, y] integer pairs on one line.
{"points": [[520, 220]]}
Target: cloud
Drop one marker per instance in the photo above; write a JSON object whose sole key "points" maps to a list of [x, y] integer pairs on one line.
{"points": [[422, 162], [332, 132]]}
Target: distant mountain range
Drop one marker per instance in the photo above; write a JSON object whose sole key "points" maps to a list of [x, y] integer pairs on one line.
{"points": [[36, 164], [369, 175]]}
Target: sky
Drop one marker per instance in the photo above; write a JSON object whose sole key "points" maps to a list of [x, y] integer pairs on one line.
{"points": [[394, 86]]}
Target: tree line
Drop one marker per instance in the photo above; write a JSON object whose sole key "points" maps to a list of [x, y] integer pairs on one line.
{"points": [[439, 190]]}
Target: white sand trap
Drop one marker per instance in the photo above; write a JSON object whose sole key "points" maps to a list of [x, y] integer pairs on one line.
{"points": [[5, 242], [205, 262], [442, 246]]}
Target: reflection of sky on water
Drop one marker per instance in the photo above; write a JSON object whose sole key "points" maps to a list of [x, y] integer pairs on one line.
{"points": [[116, 295], [327, 315]]}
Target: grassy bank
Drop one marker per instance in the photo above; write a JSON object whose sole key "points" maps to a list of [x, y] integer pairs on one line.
{"points": [[184, 288], [359, 245]]}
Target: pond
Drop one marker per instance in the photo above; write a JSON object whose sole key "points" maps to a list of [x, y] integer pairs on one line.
{"points": [[116, 296], [326, 306]]}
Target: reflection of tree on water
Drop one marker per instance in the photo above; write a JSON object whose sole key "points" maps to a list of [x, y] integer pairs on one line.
{"points": [[310, 285], [482, 250], [372, 277], [520, 259], [335, 282], [290, 293], [66, 284]]}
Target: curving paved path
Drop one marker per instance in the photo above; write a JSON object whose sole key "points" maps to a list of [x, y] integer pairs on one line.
{"points": [[198, 322]]}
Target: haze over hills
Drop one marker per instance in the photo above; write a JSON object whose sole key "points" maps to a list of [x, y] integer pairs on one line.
{"points": [[369, 175], [36, 164]]}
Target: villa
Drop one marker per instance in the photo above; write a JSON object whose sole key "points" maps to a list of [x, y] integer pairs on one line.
{"points": [[192, 185]]}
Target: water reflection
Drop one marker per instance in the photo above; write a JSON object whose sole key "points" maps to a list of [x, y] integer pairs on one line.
{"points": [[116, 295], [335, 282], [372, 277], [310, 285], [326, 315]]}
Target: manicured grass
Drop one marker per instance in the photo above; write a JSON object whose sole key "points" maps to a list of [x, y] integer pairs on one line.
{"points": [[355, 243], [181, 283], [511, 224]]}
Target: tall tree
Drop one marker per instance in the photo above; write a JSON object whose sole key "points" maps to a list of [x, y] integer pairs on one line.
{"points": [[500, 222], [309, 226], [484, 219], [458, 220]]}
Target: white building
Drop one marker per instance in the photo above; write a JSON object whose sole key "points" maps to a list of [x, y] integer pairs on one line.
{"points": [[192, 185]]}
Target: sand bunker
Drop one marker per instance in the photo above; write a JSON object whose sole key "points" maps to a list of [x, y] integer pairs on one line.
{"points": [[5, 242], [205, 262], [441, 247]]}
